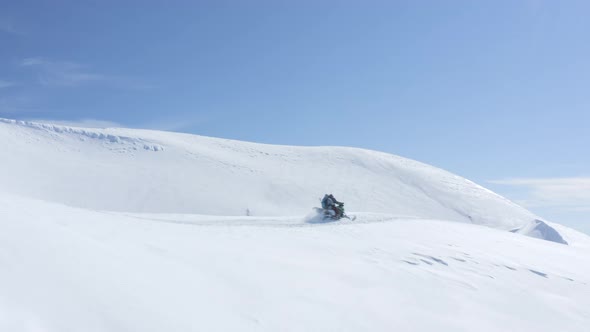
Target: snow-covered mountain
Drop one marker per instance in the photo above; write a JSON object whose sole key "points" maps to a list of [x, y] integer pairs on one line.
{"points": [[135, 230], [150, 171]]}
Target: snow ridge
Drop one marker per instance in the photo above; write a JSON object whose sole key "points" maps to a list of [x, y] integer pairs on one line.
{"points": [[85, 133]]}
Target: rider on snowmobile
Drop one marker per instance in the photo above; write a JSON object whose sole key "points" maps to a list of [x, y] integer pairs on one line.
{"points": [[329, 202]]}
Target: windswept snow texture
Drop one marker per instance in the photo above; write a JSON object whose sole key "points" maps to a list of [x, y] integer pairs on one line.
{"points": [[161, 172]]}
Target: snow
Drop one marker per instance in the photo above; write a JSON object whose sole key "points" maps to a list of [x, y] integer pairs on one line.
{"points": [[161, 172], [100, 234]]}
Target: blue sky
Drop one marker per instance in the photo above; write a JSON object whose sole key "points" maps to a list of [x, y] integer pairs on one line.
{"points": [[496, 91]]}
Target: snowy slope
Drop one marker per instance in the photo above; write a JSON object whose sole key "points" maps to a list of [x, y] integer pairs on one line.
{"points": [[66, 269], [120, 230], [161, 172]]}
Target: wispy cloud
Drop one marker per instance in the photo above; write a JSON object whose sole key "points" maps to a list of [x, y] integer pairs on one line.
{"points": [[572, 194], [6, 84], [61, 73], [72, 74]]}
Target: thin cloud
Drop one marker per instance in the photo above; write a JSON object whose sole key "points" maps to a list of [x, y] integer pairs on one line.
{"points": [[71, 74], [572, 194], [33, 62], [61, 73], [6, 84]]}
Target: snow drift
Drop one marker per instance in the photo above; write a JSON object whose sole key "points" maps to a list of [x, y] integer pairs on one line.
{"points": [[162, 172]]}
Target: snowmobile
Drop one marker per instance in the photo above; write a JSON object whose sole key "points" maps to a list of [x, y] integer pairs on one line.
{"points": [[331, 214]]}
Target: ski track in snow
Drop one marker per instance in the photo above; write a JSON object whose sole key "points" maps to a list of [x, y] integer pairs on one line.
{"points": [[310, 220], [415, 259]]}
